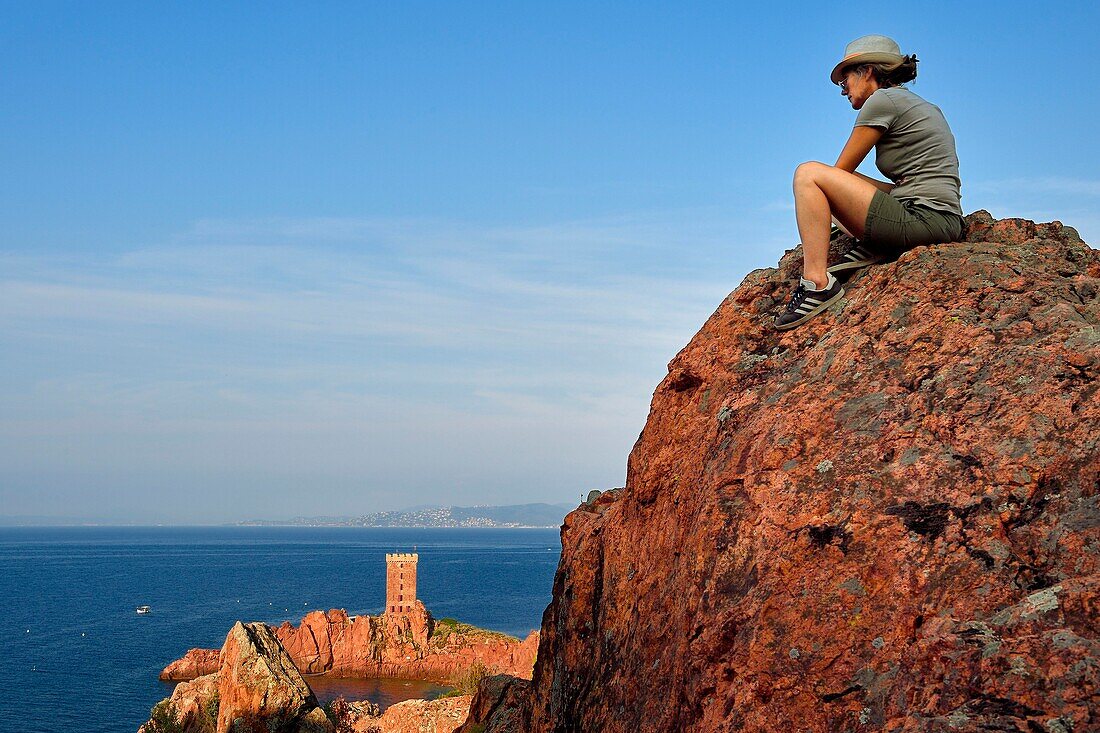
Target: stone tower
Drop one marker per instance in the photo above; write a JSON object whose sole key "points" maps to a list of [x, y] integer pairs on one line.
{"points": [[400, 581]]}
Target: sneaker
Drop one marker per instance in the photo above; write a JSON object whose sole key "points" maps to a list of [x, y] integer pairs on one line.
{"points": [[861, 255], [806, 302]]}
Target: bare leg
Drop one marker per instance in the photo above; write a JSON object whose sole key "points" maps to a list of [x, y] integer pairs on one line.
{"points": [[822, 192]]}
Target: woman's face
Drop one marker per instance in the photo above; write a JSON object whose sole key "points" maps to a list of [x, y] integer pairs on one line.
{"points": [[857, 87]]}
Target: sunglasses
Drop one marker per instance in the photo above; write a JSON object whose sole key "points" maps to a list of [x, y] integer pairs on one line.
{"points": [[844, 82]]}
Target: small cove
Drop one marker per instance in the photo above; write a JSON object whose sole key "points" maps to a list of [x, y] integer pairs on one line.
{"points": [[383, 692]]}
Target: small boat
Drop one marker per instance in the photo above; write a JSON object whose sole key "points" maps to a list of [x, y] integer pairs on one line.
{"points": [[143, 609]]}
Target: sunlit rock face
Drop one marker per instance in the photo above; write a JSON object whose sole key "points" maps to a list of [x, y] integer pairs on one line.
{"points": [[195, 663], [256, 689], [260, 689], [886, 519], [407, 645]]}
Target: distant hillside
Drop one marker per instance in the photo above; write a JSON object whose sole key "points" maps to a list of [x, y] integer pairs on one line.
{"points": [[514, 515]]}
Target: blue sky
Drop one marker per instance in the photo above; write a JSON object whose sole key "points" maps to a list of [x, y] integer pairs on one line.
{"points": [[271, 259]]}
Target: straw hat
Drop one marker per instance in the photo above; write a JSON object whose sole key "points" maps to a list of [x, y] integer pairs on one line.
{"points": [[868, 50]]}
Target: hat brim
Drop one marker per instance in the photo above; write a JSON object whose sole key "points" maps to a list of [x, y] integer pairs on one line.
{"points": [[871, 57]]}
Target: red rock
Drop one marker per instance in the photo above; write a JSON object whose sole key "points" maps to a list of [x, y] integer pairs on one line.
{"points": [[257, 689], [352, 716], [497, 706], [192, 705], [411, 716], [260, 689], [195, 663], [408, 645], [193, 700], [884, 520], [424, 716], [309, 645], [400, 645]]}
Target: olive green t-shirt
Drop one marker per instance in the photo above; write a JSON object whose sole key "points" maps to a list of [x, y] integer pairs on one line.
{"points": [[917, 149]]}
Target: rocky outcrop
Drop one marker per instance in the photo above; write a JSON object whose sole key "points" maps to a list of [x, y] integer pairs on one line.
{"points": [[256, 689], [192, 707], [425, 716], [887, 519], [411, 716], [195, 663], [407, 645], [260, 688], [354, 716], [498, 705]]}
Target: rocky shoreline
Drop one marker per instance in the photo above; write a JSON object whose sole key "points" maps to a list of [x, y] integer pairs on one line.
{"points": [[408, 645], [219, 686], [257, 687]]}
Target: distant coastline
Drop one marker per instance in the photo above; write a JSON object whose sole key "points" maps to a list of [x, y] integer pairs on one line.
{"points": [[515, 516]]}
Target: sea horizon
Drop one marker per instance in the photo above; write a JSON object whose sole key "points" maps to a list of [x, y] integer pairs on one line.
{"points": [[250, 525], [323, 520]]}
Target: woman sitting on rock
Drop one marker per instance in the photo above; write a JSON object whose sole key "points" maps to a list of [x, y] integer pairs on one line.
{"points": [[914, 148]]}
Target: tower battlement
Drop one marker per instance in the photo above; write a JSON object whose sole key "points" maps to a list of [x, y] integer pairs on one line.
{"points": [[400, 581]]}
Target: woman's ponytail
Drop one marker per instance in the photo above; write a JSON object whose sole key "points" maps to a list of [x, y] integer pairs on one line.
{"points": [[906, 71], [891, 75]]}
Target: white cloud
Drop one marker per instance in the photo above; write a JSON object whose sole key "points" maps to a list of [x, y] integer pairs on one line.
{"points": [[357, 352]]}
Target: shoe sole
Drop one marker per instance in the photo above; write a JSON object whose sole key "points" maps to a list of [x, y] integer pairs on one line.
{"points": [[845, 266], [816, 311]]}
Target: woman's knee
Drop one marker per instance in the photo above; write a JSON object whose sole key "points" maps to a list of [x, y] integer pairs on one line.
{"points": [[807, 172]]}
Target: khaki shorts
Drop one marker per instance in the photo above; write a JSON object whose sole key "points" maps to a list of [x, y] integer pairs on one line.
{"points": [[900, 225]]}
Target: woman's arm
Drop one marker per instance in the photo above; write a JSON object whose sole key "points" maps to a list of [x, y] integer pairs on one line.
{"points": [[863, 138]]}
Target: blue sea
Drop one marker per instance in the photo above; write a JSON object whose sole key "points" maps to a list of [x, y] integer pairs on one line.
{"points": [[77, 657]]}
